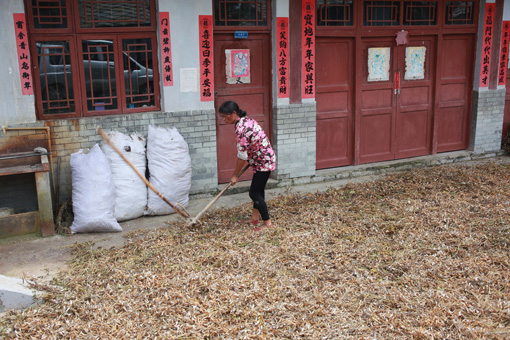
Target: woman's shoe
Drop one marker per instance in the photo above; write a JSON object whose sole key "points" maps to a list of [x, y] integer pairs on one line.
{"points": [[263, 227]]}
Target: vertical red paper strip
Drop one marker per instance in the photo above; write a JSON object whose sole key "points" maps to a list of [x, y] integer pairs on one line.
{"points": [[282, 33], [488, 28], [20, 30], [308, 49], [206, 58], [503, 61], [166, 48]]}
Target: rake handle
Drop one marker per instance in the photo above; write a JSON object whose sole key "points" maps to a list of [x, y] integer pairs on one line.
{"points": [[201, 213]]}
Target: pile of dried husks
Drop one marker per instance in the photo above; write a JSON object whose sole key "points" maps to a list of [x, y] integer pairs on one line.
{"points": [[423, 254]]}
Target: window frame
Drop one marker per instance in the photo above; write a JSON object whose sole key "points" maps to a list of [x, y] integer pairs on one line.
{"points": [[74, 35]]}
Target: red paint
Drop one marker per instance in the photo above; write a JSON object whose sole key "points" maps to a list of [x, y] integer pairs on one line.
{"points": [[308, 49], [397, 81], [503, 61], [20, 30], [166, 48], [488, 29], [282, 48], [205, 25]]}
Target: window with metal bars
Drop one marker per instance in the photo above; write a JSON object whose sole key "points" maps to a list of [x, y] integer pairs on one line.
{"points": [[418, 13], [381, 13], [90, 66], [335, 13], [240, 13], [459, 12]]}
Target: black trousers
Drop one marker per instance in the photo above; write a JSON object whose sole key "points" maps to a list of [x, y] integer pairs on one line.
{"points": [[258, 185]]}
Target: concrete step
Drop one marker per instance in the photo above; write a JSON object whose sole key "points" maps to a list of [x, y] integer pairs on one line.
{"points": [[14, 294]]}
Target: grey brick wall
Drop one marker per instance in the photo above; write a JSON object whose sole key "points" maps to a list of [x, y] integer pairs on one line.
{"points": [[487, 120], [294, 129], [69, 135]]}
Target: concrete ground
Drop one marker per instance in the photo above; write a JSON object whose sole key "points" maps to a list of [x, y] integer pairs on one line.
{"points": [[33, 256]]}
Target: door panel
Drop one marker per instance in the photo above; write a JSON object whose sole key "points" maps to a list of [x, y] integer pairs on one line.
{"points": [[334, 60], [452, 119], [506, 117], [377, 108], [415, 102], [253, 97]]}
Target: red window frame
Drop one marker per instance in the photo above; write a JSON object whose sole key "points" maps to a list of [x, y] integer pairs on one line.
{"points": [[74, 34]]}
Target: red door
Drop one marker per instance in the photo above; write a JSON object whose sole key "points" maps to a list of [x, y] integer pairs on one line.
{"points": [[506, 117], [395, 111], [252, 96], [335, 65], [455, 86]]}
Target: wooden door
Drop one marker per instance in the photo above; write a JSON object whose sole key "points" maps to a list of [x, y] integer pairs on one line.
{"points": [[506, 117], [413, 131], [334, 72], [455, 86], [377, 108], [254, 96], [397, 99]]}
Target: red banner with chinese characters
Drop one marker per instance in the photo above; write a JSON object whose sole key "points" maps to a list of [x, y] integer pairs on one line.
{"points": [[308, 49], [282, 33], [206, 58], [166, 48], [503, 61], [488, 28], [20, 29]]}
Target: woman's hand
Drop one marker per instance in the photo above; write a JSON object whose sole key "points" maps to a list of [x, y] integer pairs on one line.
{"points": [[234, 180]]}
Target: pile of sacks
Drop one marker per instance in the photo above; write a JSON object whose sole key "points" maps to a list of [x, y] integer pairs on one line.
{"points": [[106, 190]]}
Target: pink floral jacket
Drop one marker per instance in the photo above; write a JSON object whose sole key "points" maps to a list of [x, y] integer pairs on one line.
{"points": [[253, 145]]}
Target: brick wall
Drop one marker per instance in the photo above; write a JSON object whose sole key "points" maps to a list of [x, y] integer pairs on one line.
{"points": [[487, 121], [69, 135], [294, 128]]}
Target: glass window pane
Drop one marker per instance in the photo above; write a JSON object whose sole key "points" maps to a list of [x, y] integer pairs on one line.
{"points": [[99, 66], [334, 13], [55, 76], [114, 13], [240, 13], [418, 13], [49, 13], [381, 13], [138, 72], [459, 12]]}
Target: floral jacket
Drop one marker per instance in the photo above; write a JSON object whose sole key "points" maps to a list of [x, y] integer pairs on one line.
{"points": [[253, 145]]}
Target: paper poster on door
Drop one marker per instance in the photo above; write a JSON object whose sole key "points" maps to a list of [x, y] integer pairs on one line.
{"points": [[237, 66], [379, 64], [415, 63]]}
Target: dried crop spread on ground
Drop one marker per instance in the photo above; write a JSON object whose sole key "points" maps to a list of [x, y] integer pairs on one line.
{"points": [[422, 254]]}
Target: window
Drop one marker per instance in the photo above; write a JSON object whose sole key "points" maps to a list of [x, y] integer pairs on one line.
{"points": [[334, 13], [101, 62], [459, 12], [240, 13]]}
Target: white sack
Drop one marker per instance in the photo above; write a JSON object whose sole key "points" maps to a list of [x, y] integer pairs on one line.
{"points": [[169, 168], [130, 190], [93, 193]]}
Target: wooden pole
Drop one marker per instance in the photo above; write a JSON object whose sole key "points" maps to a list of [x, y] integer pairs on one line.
{"points": [[181, 210], [200, 214]]}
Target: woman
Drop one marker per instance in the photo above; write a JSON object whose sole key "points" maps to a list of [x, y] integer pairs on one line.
{"points": [[253, 147]]}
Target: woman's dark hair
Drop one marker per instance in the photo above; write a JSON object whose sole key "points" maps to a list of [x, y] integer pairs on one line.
{"points": [[230, 107]]}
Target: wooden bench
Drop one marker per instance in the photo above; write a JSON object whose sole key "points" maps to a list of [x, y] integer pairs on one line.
{"points": [[41, 220]]}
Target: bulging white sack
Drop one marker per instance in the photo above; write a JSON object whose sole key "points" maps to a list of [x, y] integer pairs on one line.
{"points": [[93, 193], [169, 168], [130, 190]]}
